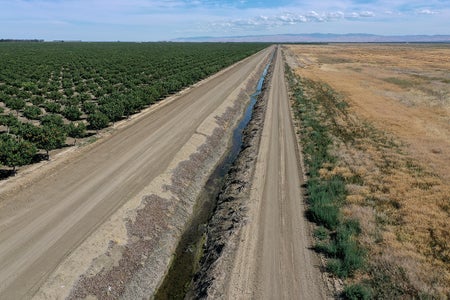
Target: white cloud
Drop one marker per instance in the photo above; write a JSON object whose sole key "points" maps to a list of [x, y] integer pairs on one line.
{"points": [[359, 15], [264, 22], [366, 14], [426, 12], [335, 15], [161, 19]]}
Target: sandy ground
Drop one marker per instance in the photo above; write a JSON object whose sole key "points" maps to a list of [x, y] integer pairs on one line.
{"points": [[273, 258], [46, 216]]}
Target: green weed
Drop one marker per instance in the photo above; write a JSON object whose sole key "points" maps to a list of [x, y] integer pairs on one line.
{"points": [[317, 110], [321, 233], [356, 292]]}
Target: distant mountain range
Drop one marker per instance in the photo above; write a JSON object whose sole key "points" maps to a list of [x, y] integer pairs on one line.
{"points": [[323, 38]]}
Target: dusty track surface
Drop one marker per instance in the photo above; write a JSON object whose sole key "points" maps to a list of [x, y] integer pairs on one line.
{"points": [[44, 220], [273, 259]]}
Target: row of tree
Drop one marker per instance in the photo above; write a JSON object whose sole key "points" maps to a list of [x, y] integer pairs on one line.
{"points": [[51, 91], [21, 142]]}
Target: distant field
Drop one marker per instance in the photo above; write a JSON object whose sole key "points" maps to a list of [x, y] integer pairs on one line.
{"points": [[387, 110], [51, 91]]}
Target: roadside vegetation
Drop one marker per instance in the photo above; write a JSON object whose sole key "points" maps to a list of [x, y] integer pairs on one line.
{"points": [[50, 92], [363, 193], [336, 234]]}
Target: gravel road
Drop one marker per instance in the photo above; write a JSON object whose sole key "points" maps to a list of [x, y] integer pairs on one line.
{"points": [[273, 259]]}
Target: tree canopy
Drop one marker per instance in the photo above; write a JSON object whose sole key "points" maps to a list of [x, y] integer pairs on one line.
{"points": [[16, 152]]}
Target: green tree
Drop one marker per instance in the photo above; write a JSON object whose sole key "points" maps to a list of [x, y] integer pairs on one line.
{"points": [[55, 94], [15, 103], [76, 130], [52, 107], [16, 152], [114, 110], [51, 137], [32, 112], [29, 132], [98, 120], [9, 121], [37, 100], [52, 120], [89, 107], [69, 92], [72, 113], [132, 103]]}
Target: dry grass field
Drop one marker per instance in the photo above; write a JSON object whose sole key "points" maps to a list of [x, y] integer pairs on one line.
{"points": [[398, 100]]}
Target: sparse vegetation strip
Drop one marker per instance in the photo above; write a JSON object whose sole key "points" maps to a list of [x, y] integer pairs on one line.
{"points": [[336, 235]]}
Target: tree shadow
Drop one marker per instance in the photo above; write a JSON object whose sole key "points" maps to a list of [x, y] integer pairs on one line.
{"points": [[89, 134], [6, 173], [38, 157]]}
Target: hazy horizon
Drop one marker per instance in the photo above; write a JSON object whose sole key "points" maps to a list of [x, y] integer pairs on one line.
{"points": [[157, 20]]}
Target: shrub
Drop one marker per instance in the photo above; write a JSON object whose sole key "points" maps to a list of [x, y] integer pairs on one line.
{"points": [[334, 266], [351, 256], [321, 233], [327, 248], [346, 264], [356, 292], [325, 214], [10, 121]]}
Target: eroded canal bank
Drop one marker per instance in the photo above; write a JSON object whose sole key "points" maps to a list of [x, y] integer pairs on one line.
{"points": [[219, 207]]}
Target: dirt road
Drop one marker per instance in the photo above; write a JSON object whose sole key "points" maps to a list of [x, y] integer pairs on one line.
{"points": [[273, 260], [40, 224]]}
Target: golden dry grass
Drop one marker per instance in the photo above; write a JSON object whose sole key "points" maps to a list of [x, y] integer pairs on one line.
{"points": [[399, 97], [402, 89]]}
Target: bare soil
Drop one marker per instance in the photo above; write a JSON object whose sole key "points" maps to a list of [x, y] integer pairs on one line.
{"points": [[103, 221]]}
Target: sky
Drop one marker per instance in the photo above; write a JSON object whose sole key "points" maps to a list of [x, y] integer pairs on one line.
{"points": [[161, 20]]}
